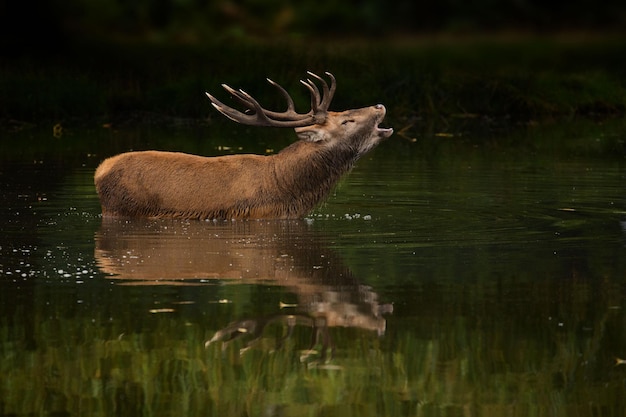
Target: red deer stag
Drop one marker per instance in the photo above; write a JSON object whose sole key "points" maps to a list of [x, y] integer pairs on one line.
{"points": [[286, 185]]}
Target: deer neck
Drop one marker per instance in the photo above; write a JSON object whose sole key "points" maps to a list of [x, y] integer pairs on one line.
{"points": [[306, 172]]}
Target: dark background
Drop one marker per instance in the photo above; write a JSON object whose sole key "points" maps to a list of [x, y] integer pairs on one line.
{"points": [[52, 24], [119, 62]]}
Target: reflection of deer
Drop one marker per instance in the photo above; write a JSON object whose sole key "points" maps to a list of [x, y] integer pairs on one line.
{"points": [[284, 253]]}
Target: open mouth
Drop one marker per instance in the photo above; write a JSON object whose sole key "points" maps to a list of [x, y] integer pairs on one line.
{"points": [[384, 131]]}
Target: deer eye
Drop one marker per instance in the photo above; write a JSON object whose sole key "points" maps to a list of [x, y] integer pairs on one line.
{"points": [[345, 122]]}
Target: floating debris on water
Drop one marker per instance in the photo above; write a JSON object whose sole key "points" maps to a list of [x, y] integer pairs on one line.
{"points": [[286, 305], [161, 310]]}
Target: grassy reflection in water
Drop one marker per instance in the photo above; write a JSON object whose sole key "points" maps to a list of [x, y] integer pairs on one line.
{"points": [[158, 374], [435, 365]]}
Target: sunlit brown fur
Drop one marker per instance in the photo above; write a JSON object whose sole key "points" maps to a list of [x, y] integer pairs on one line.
{"points": [[285, 185]]}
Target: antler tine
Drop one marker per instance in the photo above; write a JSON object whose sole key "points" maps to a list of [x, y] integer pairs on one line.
{"points": [[260, 116], [229, 112], [315, 95], [257, 118], [328, 92], [288, 118], [290, 114], [239, 96], [290, 105], [333, 87]]}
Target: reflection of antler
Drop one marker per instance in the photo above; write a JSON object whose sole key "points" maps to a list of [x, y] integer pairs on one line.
{"points": [[320, 317], [355, 306], [255, 328]]}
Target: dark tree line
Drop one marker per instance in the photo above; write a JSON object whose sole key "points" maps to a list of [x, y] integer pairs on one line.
{"points": [[47, 23]]}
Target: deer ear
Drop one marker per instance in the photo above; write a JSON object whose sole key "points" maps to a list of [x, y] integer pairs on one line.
{"points": [[310, 134]]}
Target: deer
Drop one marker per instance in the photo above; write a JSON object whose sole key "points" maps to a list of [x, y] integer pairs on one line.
{"points": [[285, 185]]}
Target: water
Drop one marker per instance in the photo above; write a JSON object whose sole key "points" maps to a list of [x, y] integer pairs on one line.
{"points": [[445, 279]]}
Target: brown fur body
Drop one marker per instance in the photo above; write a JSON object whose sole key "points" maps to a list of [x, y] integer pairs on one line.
{"points": [[286, 185]]}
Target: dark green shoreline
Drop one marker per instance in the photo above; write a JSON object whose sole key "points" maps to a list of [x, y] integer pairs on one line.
{"points": [[482, 81]]}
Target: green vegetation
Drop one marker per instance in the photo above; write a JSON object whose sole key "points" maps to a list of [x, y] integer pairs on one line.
{"points": [[491, 357], [199, 21], [439, 83]]}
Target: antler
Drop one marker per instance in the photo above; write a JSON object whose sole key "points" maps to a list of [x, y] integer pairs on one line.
{"points": [[256, 115]]}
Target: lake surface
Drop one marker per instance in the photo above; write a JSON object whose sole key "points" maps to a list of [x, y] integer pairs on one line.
{"points": [[451, 275]]}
